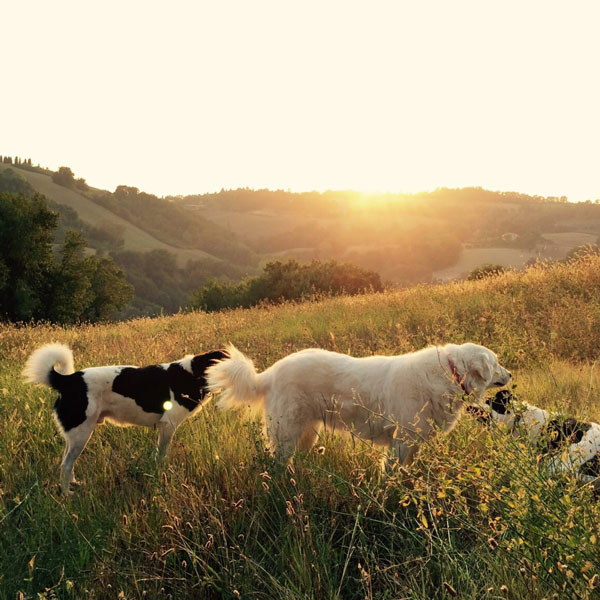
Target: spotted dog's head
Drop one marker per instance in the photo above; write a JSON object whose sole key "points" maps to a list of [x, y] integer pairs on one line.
{"points": [[201, 362], [496, 408], [479, 413], [501, 408], [559, 433]]}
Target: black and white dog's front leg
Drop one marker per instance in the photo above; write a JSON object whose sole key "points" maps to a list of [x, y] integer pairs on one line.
{"points": [[166, 430]]}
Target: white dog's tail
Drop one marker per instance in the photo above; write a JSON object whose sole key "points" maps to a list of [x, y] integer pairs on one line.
{"points": [[39, 367], [237, 380]]}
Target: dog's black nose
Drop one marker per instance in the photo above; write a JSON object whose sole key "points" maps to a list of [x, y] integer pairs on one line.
{"points": [[509, 373]]}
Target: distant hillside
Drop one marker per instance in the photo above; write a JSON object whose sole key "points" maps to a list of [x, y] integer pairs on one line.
{"points": [[170, 246], [406, 237], [164, 276], [135, 238]]}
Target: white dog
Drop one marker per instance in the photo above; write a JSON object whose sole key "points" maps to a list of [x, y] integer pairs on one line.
{"points": [[395, 401], [159, 395]]}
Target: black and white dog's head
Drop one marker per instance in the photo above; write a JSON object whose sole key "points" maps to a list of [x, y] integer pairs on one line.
{"points": [[567, 443]]}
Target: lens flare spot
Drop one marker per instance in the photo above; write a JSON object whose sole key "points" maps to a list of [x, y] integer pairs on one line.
{"points": [[168, 405]]}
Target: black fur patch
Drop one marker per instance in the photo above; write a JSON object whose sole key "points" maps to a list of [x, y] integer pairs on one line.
{"points": [[500, 402], [147, 386], [72, 400], [591, 467], [201, 362], [560, 433], [150, 386], [187, 389]]}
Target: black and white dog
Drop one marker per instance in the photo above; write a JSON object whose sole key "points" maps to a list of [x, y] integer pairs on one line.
{"points": [[568, 444], [158, 395]]}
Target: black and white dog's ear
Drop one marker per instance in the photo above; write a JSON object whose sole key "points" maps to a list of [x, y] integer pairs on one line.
{"points": [[201, 362], [574, 430], [500, 402]]}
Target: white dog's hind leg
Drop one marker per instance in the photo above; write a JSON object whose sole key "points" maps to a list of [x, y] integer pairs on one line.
{"points": [[76, 439], [289, 436], [166, 430], [308, 437]]}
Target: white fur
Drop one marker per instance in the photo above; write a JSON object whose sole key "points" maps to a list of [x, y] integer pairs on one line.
{"points": [[528, 420], [38, 365], [395, 401], [575, 455]]}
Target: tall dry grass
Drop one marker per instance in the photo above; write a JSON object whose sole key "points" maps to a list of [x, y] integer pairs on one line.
{"points": [[477, 516]]}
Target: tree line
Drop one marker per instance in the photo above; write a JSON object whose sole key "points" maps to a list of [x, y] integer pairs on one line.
{"points": [[284, 281]]}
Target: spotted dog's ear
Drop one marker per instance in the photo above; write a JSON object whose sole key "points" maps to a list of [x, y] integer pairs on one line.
{"points": [[201, 362], [501, 401], [574, 430]]}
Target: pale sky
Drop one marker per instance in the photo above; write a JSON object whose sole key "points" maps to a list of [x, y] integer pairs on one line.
{"points": [[188, 97]]}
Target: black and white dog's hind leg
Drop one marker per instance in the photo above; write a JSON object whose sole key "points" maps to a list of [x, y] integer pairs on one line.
{"points": [[52, 365], [76, 440]]}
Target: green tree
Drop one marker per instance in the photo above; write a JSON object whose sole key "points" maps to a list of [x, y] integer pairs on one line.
{"points": [[487, 270], [14, 183], [26, 227], [34, 284], [284, 281], [110, 290], [64, 176], [71, 288]]}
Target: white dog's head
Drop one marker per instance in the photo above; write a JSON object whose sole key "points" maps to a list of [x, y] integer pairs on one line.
{"points": [[476, 367]]}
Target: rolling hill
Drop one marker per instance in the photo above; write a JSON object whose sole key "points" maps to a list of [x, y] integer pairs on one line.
{"points": [[439, 235], [136, 239], [406, 238]]}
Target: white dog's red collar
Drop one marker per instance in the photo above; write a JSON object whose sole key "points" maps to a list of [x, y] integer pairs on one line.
{"points": [[456, 376]]}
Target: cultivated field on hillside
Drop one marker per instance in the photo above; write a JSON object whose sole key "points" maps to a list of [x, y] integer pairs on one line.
{"points": [[476, 516], [135, 238]]}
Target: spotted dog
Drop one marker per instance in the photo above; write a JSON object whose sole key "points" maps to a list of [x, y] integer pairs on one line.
{"points": [[162, 395], [568, 444]]}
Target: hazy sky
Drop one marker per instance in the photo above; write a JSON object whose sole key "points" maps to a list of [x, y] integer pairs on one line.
{"points": [[185, 97]]}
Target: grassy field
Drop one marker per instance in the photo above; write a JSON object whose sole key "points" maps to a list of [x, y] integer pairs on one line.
{"points": [[476, 516]]}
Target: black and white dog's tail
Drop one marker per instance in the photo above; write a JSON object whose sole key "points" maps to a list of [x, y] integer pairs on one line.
{"points": [[40, 366]]}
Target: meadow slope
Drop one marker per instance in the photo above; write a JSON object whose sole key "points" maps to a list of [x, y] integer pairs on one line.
{"points": [[476, 517]]}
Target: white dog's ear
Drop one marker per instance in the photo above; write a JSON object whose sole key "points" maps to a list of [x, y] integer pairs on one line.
{"points": [[484, 367]]}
